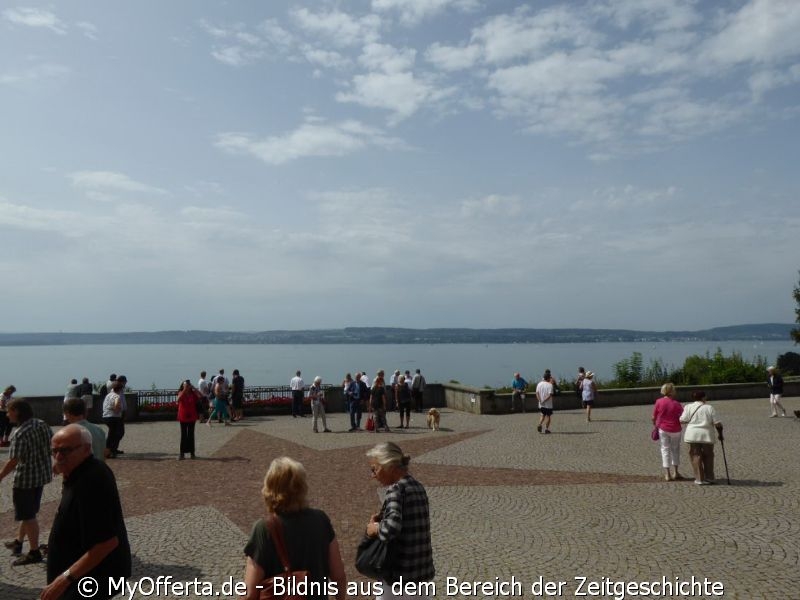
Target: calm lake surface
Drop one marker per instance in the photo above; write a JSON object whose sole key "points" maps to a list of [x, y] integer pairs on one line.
{"points": [[45, 370]]}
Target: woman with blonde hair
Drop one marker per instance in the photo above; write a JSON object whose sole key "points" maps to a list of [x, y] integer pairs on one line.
{"points": [[404, 521], [307, 533], [666, 416]]}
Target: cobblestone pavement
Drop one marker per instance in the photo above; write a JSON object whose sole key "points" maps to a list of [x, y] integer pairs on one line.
{"points": [[586, 501]]}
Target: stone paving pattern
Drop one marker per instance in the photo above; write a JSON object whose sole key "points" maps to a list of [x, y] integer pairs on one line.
{"points": [[586, 500]]}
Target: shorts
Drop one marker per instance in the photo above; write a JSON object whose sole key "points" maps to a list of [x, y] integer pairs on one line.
{"points": [[26, 502], [237, 402], [588, 403], [546, 411]]}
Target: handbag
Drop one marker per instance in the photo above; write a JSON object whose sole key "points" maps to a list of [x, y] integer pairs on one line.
{"points": [[654, 435], [268, 585], [370, 424], [373, 559]]}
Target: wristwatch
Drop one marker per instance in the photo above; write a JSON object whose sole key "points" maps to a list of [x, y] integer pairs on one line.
{"points": [[68, 576]]}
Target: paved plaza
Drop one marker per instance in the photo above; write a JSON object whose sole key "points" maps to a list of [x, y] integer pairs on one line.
{"points": [[585, 502]]}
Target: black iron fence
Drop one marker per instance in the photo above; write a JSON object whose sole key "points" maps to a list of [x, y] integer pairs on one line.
{"points": [[166, 400]]}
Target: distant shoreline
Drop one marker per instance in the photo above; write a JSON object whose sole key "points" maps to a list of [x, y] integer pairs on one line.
{"points": [[392, 335]]}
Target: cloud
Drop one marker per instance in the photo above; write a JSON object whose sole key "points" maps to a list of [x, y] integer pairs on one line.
{"points": [[103, 185], [239, 47], [414, 11], [386, 58], [35, 17], [762, 31], [89, 30], [453, 58], [339, 28], [19, 216], [312, 138], [43, 72], [491, 205]]}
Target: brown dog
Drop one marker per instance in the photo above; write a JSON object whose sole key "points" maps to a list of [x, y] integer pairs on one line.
{"points": [[433, 419]]}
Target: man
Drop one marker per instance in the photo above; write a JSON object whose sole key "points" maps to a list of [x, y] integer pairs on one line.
{"points": [[417, 389], [204, 387], [86, 394], [363, 396], [88, 537], [518, 387], [73, 390], [298, 391], [75, 412], [237, 396], [29, 458], [544, 394], [775, 384]]}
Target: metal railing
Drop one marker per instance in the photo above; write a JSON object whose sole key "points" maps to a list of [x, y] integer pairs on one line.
{"points": [[260, 395]]}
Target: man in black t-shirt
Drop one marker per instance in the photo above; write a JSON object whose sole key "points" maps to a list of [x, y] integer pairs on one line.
{"points": [[88, 538]]}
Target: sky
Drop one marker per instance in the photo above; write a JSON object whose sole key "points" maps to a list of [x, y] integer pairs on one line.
{"points": [[408, 163]]}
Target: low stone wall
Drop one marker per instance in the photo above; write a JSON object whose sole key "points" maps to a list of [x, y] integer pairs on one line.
{"points": [[458, 397]]}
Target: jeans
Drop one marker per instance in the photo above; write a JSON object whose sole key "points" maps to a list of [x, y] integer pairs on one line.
{"points": [[354, 409], [297, 403]]}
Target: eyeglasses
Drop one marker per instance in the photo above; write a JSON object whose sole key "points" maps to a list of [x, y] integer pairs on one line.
{"points": [[65, 450]]}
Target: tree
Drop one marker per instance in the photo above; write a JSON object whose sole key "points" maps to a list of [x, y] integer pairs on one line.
{"points": [[796, 330]]}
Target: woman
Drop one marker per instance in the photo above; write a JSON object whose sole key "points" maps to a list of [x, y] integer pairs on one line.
{"points": [[402, 397], [5, 423], [377, 401], [701, 421], [220, 402], [666, 416], [188, 398], [588, 393], [309, 538], [113, 411], [404, 520], [317, 398]]}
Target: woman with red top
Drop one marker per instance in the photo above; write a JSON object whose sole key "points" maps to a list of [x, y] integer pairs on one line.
{"points": [[666, 416], [188, 397]]}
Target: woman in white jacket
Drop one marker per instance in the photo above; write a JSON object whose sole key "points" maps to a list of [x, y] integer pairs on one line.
{"points": [[702, 429]]}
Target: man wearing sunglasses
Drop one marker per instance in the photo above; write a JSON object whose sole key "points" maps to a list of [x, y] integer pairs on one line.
{"points": [[88, 538]]}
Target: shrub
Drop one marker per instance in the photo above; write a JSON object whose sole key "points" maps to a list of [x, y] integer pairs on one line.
{"points": [[789, 363]]}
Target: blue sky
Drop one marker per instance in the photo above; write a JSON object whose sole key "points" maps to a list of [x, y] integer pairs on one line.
{"points": [[414, 163]]}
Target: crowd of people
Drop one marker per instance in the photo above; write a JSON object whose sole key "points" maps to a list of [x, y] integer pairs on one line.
{"points": [[88, 537]]}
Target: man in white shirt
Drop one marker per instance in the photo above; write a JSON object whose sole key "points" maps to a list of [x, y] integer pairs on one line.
{"points": [[204, 386], [544, 394], [298, 387]]}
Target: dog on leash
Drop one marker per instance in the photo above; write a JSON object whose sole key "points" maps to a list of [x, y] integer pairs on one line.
{"points": [[433, 419]]}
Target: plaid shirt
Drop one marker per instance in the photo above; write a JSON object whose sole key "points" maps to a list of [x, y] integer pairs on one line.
{"points": [[30, 445], [406, 523]]}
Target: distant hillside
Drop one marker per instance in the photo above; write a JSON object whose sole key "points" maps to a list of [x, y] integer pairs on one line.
{"points": [[395, 335]]}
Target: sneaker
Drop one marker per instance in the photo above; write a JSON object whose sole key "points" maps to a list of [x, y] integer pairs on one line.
{"points": [[547, 431], [15, 546], [773, 416], [34, 556], [326, 431], [539, 428], [701, 482]]}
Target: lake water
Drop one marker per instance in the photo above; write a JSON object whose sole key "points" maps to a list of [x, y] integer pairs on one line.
{"points": [[45, 370]]}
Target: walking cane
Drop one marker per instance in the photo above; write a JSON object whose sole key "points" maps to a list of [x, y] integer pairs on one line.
{"points": [[724, 458]]}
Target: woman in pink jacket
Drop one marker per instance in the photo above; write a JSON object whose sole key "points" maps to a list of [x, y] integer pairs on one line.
{"points": [[666, 416], [188, 397]]}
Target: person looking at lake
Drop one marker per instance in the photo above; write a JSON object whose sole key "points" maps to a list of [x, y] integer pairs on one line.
{"points": [[518, 387], [220, 402], [378, 402], [545, 390], [298, 388], [237, 396], [5, 424], [667, 413], [701, 421], [113, 417], [588, 393], [352, 396], [188, 399], [402, 397]]}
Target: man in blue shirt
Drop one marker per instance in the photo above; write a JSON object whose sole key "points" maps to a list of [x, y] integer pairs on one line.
{"points": [[518, 387]]}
